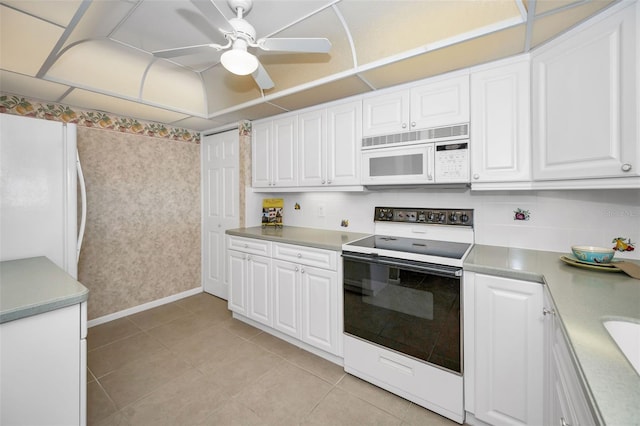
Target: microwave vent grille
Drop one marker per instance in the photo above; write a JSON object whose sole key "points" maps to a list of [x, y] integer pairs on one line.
{"points": [[458, 131]]}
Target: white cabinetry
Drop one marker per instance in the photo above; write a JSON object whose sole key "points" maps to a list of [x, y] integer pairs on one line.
{"points": [[565, 403], [43, 368], [275, 152], [329, 141], [585, 101], [440, 102], [503, 350], [250, 289], [500, 122], [300, 297]]}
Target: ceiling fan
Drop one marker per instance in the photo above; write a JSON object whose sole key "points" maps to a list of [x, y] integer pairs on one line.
{"points": [[241, 35]]}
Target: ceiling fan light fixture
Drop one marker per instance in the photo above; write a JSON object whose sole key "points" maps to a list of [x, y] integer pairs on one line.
{"points": [[238, 60]]}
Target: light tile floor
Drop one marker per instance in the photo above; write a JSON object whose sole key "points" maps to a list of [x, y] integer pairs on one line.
{"points": [[190, 363]]}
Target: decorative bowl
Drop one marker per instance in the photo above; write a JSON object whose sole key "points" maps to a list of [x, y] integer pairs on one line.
{"points": [[593, 254]]}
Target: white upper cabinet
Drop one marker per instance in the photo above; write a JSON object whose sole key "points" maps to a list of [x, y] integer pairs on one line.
{"points": [[500, 122], [441, 102], [329, 141], [585, 101], [274, 152]]}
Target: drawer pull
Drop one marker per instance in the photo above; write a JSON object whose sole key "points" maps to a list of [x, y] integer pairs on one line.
{"points": [[396, 365], [299, 255]]}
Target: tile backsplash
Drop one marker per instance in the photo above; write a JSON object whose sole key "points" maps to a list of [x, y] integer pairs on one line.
{"points": [[556, 219]]}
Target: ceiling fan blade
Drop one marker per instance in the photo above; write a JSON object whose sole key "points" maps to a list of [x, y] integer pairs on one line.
{"points": [[309, 45], [262, 78], [182, 51], [214, 15]]}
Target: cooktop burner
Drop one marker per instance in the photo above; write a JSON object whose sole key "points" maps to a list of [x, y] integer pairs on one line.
{"points": [[413, 245]]}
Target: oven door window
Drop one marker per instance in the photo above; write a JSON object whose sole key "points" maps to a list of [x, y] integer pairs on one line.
{"points": [[404, 309]]}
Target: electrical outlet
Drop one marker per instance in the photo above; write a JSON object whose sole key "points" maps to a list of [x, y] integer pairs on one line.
{"points": [[321, 210]]}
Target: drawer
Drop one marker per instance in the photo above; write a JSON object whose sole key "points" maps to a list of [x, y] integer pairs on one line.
{"points": [[310, 256], [249, 245]]}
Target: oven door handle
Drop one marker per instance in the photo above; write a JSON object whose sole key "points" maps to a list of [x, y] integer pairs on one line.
{"points": [[445, 270]]}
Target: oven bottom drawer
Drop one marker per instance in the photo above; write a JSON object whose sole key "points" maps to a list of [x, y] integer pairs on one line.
{"points": [[435, 389]]}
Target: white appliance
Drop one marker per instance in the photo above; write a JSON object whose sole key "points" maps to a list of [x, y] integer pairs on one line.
{"points": [[432, 156], [38, 191], [402, 292]]}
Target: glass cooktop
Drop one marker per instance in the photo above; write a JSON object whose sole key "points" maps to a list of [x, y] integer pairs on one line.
{"points": [[413, 245]]}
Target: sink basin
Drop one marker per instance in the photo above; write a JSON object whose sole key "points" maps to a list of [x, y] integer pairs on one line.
{"points": [[626, 334]]}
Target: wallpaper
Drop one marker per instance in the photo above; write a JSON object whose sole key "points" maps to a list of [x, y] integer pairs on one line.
{"points": [[11, 104], [142, 238]]}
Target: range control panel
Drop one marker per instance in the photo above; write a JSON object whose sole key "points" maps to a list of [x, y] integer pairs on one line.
{"points": [[463, 217]]}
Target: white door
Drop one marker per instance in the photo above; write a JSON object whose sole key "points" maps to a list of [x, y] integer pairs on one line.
{"points": [[320, 308], [237, 277], [440, 103], [220, 192], [344, 138], [285, 151], [385, 114], [286, 295], [508, 351], [259, 289], [311, 148]]}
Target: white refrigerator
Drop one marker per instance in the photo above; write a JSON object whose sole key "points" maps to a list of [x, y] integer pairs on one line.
{"points": [[38, 191]]}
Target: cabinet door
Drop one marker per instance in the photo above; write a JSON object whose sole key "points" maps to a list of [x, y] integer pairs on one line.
{"points": [[508, 351], [286, 298], [585, 114], [237, 281], [261, 154], [440, 103], [312, 148], [385, 114], [284, 153], [500, 143], [259, 289], [319, 308], [344, 139]]}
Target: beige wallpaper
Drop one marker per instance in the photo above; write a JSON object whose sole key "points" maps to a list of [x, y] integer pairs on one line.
{"points": [[142, 238]]}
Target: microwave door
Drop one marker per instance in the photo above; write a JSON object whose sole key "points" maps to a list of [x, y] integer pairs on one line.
{"points": [[398, 165]]}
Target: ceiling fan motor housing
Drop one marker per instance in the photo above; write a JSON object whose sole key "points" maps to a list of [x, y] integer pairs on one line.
{"points": [[244, 30]]}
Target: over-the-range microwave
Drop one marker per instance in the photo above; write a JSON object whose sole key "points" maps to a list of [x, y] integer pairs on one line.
{"points": [[430, 156]]}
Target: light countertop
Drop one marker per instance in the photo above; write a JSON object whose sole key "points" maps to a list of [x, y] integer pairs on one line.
{"points": [[583, 299], [311, 237], [36, 285]]}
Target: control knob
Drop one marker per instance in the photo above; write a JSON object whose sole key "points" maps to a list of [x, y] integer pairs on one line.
{"points": [[464, 218], [431, 216], [442, 217], [453, 217]]}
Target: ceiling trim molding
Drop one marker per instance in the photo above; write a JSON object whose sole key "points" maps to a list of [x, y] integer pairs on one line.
{"points": [[53, 55], [354, 55]]}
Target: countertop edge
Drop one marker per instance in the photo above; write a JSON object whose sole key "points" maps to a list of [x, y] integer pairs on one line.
{"points": [[252, 233], [36, 309]]}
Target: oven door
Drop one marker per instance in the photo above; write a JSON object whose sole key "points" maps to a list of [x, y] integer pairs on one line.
{"points": [[398, 165], [406, 306]]}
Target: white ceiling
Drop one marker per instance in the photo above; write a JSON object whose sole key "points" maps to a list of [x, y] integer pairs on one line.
{"points": [[96, 54]]}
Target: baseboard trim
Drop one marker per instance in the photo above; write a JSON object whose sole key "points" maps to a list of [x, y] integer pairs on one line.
{"points": [[143, 307]]}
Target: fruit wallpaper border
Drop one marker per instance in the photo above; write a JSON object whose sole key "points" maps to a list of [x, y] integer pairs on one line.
{"points": [[11, 104]]}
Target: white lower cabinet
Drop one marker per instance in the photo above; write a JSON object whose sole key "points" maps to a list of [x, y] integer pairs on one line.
{"points": [[43, 362], [504, 350], [294, 291], [565, 402]]}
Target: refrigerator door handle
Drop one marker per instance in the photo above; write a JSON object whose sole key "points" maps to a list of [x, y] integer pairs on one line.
{"points": [[83, 196]]}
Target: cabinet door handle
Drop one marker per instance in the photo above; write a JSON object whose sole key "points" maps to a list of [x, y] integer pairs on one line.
{"points": [[563, 422], [328, 182], [476, 176], [299, 255], [296, 269], [546, 311], [323, 182], [404, 125], [302, 270], [413, 124], [626, 167]]}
